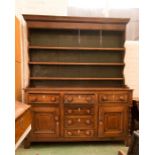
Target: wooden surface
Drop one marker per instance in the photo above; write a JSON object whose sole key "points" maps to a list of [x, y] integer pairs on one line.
{"points": [[17, 59], [20, 109], [22, 119], [77, 88], [79, 115]]}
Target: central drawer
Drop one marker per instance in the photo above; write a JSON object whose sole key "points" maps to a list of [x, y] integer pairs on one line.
{"points": [[76, 109], [79, 98], [79, 133], [80, 122]]}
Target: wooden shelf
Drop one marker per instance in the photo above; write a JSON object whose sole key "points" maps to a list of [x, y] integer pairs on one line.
{"points": [[60, 78], [76, 48], [76, 63]]}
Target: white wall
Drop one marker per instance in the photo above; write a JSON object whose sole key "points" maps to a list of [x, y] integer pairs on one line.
{"points": [[44, 7], [131, 70]]}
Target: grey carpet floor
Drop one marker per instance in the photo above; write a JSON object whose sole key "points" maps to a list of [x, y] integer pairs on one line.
{"points": [[88, 148]]}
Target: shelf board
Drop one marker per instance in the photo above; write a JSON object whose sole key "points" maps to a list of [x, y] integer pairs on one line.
{"points": [[77, 48], [60, 78], [76, 63]]}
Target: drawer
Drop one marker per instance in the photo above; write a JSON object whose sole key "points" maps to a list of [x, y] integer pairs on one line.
{"points": [[79, 110], [79, 133], [79, 122], [79, 98], [44, 98], [113, 97]]}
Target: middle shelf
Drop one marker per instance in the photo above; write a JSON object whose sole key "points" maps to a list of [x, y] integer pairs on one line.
{"points": [[61, 78], [76, 63]]}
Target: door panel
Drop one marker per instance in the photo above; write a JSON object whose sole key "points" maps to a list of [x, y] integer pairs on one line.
{"points": [[112, 121], [46, 121]]}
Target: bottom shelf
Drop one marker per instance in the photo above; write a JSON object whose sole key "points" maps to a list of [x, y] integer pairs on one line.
{"points": [[79, 83]]}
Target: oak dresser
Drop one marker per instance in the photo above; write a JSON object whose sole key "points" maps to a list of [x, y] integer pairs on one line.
{"points": [[77, 88]]}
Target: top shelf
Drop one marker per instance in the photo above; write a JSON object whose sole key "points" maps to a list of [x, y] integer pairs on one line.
{"points": [[76, 48]]}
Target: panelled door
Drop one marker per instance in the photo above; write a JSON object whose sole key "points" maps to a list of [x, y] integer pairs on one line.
{"points": [[112, 121], [45, 122]]}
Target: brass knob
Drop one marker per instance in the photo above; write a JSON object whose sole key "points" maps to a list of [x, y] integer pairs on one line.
{"points": [[101, 122], [89, 98], [57, 123], [88, 111], [104, 98], [88, 132], [122, 98], [79, 109], [78, 132], [69, 98], [43, 96], [87, 121], [53, 99], [69, 111], [56, 118], [79, 120], [69, 133], [69, 121]]}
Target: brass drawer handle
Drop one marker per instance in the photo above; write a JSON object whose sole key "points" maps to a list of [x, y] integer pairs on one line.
{"points": [[88, 133], [101, 122], [79, 120], [43, 96], [89, 98], [122, 98], [88, 111], [88, 121], [69, 111], [56, 118], [53, 98], [78, 132], [69, 133], [79, 109], [69, 99], [57, 123], [69, 122], [104, 98]]}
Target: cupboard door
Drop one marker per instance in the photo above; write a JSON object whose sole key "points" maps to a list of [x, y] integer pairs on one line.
{"points": [[112, 121], [45, 122]]}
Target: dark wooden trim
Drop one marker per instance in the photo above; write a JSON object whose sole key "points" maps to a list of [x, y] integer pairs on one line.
{"points": [[60, 78], [45, 18], [77, 63], [76, 26], [45, 89], [76, 48]]}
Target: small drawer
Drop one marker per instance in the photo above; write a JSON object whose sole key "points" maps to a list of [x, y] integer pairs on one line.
{"points": [[106, 98], [79, 110], [113, 97], [44, 98], [79, 98], [79, 133], [123, 97], [80, 122]]}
